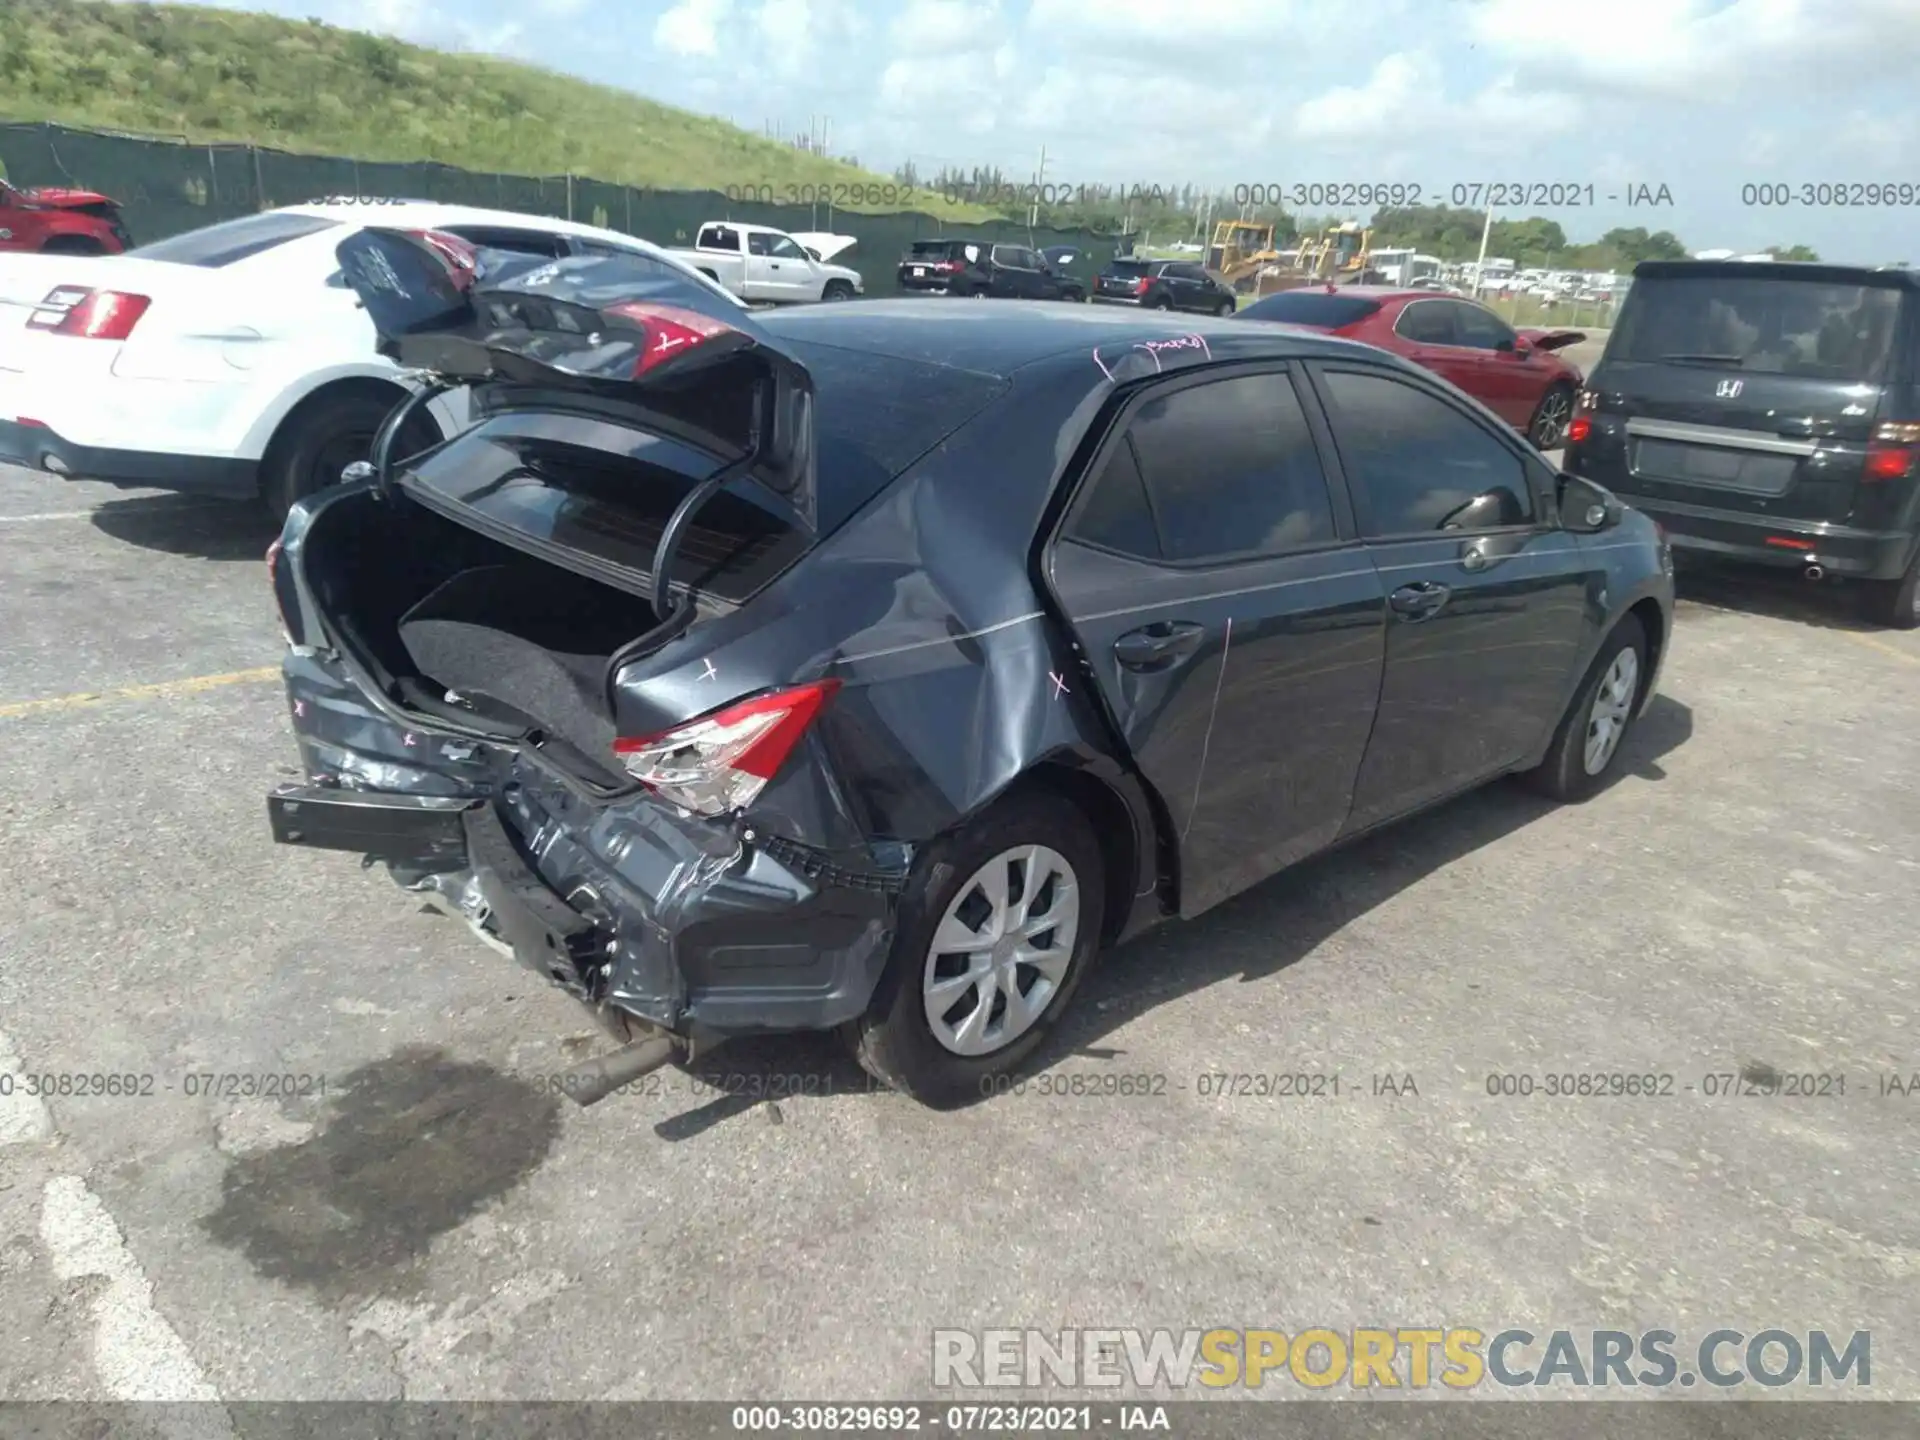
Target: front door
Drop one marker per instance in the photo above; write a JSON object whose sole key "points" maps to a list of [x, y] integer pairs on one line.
{"points": [[1486, 595], [1228, 620]]}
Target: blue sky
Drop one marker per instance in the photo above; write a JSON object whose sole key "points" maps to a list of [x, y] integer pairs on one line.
{"points": [[1702, 96]]}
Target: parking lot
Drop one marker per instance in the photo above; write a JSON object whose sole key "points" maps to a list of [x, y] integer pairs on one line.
{"points": [[426, 1219]]}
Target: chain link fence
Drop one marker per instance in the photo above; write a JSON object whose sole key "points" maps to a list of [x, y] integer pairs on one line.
{"points": [[165, 186]]}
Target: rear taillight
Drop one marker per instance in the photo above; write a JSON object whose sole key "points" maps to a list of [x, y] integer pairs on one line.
{"points": [[721, 762], [1581, 425], [1140, 285], [1893, 451], [671, 332], [91, 314], [950, 267]]}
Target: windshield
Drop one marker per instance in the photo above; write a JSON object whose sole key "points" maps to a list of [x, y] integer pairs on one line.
{"points": [[1311, 307], [215, 246], [1767, 325]]}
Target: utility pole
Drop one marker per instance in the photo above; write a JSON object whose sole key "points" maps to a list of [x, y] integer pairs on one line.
{"points": [[1039, 179], [1480, 265]]}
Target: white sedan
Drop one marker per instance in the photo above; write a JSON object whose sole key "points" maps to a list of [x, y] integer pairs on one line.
{"points": [[232, 360]]}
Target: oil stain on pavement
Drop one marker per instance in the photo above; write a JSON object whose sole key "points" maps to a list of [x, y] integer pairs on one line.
{"points": [[417, 1144]]}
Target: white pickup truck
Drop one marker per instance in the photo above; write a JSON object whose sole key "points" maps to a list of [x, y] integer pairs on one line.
{"points": [[764, 266]]}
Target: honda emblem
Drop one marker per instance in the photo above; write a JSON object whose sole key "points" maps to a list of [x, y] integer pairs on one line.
{"points": [[1728, 389]]}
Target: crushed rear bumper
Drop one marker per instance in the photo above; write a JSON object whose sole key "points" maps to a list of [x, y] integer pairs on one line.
{"points": [[701, 928]]}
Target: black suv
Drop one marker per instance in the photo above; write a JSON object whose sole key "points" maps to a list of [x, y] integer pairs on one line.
{"points": [[981, 268], [1164, 285], [1768, 413]]}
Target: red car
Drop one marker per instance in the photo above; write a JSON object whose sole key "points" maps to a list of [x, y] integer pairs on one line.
{"points": [[1514, 373], [60, 222]]}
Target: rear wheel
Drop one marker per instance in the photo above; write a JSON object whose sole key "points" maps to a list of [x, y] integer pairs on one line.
{"points": [[1160, 302], [327, 434], [1894, 603], [998, 925], [1549, 424], [837, 290], [1595, 726], [1225, 307]]}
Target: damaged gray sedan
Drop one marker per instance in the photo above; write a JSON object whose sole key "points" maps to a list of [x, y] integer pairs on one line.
{"points": [[873, 667]]}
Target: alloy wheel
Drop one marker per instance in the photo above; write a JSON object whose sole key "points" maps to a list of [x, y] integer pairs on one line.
{"points": [[1001, 951], [1550, 425], [1612, 706]]}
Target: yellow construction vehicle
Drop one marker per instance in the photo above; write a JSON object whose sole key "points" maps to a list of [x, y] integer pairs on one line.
{"points": [[1338, 256], [1239, 249]]}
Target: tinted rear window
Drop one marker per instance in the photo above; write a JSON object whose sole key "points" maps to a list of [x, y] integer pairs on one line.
{"points": [[1762, 324], [1131, 268], [233, 240], [932, 249], [1311, 307], [876, 414]]}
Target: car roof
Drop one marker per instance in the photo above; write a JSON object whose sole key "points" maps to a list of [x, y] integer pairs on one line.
{"points": [[1819, 271], [437, 212], [1002, 336]]}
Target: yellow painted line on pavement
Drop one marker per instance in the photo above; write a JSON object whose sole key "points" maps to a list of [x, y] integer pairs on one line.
{"points": [[164, 690], [1882, 646]]}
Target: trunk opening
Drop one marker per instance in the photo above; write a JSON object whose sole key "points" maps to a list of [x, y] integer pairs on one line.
{"points": [[433, 606]]}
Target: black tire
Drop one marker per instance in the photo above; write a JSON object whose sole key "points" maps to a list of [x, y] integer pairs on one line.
{"points": [[1893, 604], [1548, 426], [1225, 307], [325, 435], [73, 245], [1160, 302], [1563, 774], [837, 290], [894, 1041]]}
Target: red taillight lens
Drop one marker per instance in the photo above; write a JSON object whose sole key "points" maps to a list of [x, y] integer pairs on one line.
{"points": [[1140, 285], [670, 331], [1581, 425], [1889, 462], [91, 314], [459, 256], [721, 762], [1892, 451], [273, 562]]}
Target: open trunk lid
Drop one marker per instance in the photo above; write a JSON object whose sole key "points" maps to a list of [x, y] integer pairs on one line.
{"points": [[1747, 388], [612, 332]]}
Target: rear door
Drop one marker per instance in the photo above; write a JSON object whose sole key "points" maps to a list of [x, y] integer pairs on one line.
{"points": [[1227, 619], [1486, 594], [1429, 335], [1508, 383], [1752, 391]]}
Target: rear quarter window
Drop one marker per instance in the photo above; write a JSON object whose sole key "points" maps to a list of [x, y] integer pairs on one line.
{"points": [[216, 246]]}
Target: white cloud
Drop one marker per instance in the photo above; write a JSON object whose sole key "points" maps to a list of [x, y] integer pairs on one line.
{"points": [[945, 27], [691, 27], [1709, 51]]}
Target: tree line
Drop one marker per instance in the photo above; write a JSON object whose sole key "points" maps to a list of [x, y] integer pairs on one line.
{"points": [[1170, 213]]}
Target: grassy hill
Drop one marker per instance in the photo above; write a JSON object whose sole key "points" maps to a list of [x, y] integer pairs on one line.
{"points": [[219, 75]]}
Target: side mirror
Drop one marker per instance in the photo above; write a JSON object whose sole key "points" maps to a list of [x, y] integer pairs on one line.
{"points": [[1587, 508]]}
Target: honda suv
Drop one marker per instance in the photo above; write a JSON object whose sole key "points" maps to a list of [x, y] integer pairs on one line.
{"points": [[1768, 413]]}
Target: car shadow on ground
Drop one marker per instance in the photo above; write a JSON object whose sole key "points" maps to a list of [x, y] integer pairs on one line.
{"points": [[192, 525], [1774, 594], [1285, 918]]}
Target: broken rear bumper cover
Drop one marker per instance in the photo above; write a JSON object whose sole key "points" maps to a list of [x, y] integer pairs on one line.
{"points": [[697, 927]]}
